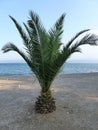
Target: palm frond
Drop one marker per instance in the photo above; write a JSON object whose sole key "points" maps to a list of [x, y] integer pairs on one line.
{"points": [[90, 39], [58, 27], [24, 36], [38, 32], [36, 27], [36, 20], [55, 38], [11, 47], [75, 37], [28, 30]]}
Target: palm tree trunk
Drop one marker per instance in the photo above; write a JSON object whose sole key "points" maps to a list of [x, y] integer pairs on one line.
{"points": [[45, 103]]}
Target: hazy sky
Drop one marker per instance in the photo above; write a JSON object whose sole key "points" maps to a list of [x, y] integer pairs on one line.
{"points": [[80, 14]]}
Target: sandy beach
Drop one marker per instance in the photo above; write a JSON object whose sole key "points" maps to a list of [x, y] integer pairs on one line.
{"points": [[76, 100]]}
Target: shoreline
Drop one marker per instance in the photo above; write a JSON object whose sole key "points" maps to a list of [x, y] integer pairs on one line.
{"points": [[26, 77], [29, 75]]}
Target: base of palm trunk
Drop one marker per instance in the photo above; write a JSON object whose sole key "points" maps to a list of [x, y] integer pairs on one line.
{"points": [[45, 104]]}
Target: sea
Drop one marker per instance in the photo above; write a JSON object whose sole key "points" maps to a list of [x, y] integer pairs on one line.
{"points": [[16, 69]]}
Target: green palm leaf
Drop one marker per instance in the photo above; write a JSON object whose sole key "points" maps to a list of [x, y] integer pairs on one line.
{"points": [[23, 35]]}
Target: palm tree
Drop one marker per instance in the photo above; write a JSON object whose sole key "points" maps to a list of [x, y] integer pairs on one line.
{"points": [[44, 54]]}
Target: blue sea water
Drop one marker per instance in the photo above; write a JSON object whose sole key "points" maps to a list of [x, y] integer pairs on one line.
{"points": [[12, 69]]}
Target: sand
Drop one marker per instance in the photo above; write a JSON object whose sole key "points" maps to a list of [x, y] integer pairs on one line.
{"points": [[76, 100]]}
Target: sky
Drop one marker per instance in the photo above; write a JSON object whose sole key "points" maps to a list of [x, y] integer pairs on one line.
{"points": [[80, 15]]}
